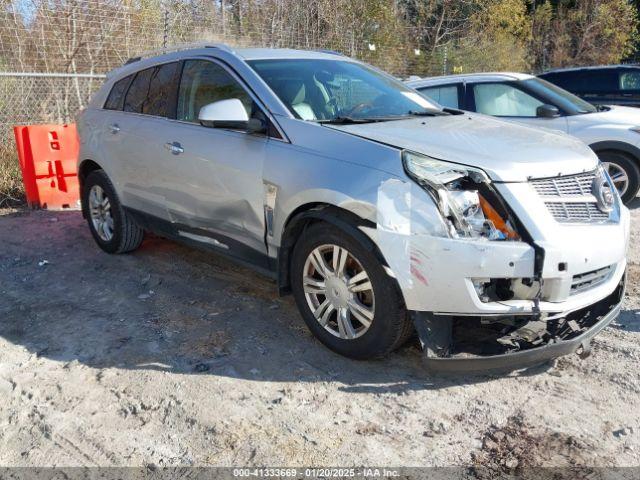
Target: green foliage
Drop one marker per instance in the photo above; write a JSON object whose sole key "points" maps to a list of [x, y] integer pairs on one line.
{"points": [[588, 32], [498, 39], [11, 189], [525, 35]]}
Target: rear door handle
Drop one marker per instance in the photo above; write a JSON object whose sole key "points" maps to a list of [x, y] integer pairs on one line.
{"points": [[174, 147], [114, 127]]}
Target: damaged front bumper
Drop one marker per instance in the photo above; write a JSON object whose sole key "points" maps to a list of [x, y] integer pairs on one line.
{"points": [[483, 304], [462, 276], [452, 344]]}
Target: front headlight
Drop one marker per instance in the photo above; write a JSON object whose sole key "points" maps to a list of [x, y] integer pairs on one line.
{"points": [[607, 195], [464, 196]]}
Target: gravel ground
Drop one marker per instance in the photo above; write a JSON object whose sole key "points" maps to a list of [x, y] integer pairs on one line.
{"points": [[171, 356]]}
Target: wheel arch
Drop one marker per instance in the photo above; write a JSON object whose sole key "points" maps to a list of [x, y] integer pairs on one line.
{"points": [[617, 146], [85, 168], [306, 215]]}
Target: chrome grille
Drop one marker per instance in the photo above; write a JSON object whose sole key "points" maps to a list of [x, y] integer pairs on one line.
{"points": [[571, 185], [570, 199], [588, 280], [576, 212]]}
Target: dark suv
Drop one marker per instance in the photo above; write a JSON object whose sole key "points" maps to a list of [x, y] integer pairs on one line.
{"points": [[611, 85]]}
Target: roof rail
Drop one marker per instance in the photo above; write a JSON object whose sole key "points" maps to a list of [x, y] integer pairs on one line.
{"points": [[331, 52], [177, 48]]}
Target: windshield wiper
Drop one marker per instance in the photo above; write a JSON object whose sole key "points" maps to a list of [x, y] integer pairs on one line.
{"points": [[346, 120], [427, 112], [351, 120]]}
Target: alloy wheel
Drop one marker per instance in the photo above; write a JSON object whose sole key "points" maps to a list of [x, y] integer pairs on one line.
{"points": [[100, 212], [618, 176], [338, 291]]}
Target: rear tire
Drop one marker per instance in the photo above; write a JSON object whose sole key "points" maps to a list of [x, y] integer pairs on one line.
{"points": [[363, 315], [624, 172], [112, 227]]}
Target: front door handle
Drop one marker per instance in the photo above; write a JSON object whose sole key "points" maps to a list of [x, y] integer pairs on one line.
{"points": [[174, 148], [114, 127]]}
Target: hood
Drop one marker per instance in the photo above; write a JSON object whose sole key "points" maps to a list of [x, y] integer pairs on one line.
{"points": [[617, 116], [506, 151]]}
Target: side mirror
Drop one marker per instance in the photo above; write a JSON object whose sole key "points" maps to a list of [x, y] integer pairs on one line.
{"points": [[547, 111], [224, 114]]}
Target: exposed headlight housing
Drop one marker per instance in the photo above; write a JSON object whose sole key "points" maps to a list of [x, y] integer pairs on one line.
{"points": [[463, 196]]}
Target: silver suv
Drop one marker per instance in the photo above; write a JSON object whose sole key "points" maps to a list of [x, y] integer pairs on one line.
{"points": [[382, 213]]}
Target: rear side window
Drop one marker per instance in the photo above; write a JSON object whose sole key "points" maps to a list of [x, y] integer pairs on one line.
{"points": [[445, 95], [585, 81], [599, 80], [568, 81], [116, 96], [206, 82], [138, 91], [630, 80], [161, 91]]}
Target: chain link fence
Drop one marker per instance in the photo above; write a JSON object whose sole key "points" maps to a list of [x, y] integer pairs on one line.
{"points": [[54, 53], [94, 36]]}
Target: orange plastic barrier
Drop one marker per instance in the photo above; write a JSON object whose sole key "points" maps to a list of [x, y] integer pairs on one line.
{"points": [[47, 155]]}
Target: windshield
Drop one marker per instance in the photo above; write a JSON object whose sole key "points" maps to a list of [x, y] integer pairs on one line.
{"points": [[557, 96], [333, 90]]}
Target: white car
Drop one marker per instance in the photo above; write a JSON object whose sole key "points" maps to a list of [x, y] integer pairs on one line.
{"points": [[612, 132]]}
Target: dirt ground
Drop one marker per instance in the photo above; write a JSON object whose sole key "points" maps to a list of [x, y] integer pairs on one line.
{"points": [[171, 356]]}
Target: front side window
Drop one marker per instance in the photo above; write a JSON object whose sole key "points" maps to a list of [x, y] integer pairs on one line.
{"points": [[116, 96], [502, 100], [554, 95], [205, 82], [630, 80], [138, 91], [445, 95], [330, 90]]}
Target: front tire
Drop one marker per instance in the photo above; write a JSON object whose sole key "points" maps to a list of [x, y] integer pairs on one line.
{"points": [[112, 227], [624, 172], [345, 296]]}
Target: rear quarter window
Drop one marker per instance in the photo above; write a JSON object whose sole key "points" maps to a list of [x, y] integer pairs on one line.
{"points": [[116, 95], [630, 80]]}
